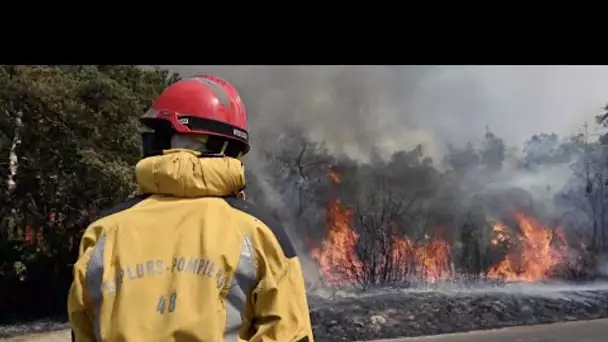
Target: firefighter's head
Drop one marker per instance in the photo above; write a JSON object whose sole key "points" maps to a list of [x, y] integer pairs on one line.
{"points": [[203, 113]]}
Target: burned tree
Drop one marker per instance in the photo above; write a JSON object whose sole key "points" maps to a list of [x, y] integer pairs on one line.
{"points": [[296, 170]]}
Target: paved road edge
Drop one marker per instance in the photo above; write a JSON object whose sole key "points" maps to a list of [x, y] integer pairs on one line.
{"points": [[514, 328]]}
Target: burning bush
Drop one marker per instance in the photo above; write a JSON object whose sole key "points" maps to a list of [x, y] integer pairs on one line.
{"points": [[531, 251]]}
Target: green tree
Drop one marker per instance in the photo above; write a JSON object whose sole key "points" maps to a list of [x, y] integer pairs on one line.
{"points": [[78, 141]]}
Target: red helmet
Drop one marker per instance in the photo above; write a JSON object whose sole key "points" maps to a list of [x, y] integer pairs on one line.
{"points": [[201, 105]]}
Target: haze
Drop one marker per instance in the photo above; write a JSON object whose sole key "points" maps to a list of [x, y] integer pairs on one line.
{"points": [[357, 109]]}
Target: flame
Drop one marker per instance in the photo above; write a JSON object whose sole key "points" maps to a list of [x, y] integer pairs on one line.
{"points": [[335, 177], [533, 256], [337, 253], [337, 256], [429, 261], [540, 251], [501, 233], [339, 263]]}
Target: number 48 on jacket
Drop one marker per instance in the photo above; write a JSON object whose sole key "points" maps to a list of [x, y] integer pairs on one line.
{"points": [[166, 304]]}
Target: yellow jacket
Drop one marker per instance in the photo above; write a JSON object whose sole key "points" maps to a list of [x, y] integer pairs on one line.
{"points": [[189, 261]]}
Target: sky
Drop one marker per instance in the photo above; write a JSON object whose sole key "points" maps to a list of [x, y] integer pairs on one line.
{"points": [[356, 109]]}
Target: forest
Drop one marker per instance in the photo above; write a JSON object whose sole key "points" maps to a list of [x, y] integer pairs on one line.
{"points": [[485, 212]]}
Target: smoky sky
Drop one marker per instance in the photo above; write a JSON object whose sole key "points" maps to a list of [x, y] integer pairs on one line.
{"points": [[357, 109]]}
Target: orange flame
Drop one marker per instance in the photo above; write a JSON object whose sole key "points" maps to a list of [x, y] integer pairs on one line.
{"points": [[429, 260], [335, 176], [337, 258], [540, 251], [340, 264], [501, 233]]}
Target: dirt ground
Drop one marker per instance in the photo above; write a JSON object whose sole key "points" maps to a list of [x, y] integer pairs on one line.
{"points": [[57, 336]]}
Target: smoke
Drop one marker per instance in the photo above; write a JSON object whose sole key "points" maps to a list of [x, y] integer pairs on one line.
{"points": [[351, 109], [549, 290], [360, 109], [603, 267], [514, 101]]}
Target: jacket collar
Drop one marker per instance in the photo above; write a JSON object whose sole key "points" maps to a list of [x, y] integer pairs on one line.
{"points": [[184, 173]]}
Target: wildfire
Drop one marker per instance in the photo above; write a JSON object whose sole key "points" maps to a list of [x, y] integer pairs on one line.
{"points": [[339, 263], [335, 177], [536, 254], [539, 252], [336, 257], [429, 260], [501, 233]]}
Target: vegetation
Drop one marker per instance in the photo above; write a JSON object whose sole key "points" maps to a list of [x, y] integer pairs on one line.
{"points": [[62, 164]]}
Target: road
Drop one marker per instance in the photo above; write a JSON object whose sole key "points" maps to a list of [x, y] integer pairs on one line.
{"points": [[581, 331], [57, 336]]}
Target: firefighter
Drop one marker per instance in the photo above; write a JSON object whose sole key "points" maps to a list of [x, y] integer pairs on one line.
{"points": [[189, 260]]}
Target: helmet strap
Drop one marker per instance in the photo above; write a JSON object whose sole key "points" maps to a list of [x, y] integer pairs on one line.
{"points": [[224, 147]]}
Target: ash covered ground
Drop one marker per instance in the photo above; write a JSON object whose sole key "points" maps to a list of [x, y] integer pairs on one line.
{"points": [[388, 313]]}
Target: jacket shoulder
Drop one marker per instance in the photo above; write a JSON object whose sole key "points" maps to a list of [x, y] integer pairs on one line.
{"points": [[274, 225], [121, 207]]}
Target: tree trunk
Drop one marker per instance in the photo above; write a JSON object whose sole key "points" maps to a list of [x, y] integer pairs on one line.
{"points": [[13, 165]]}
